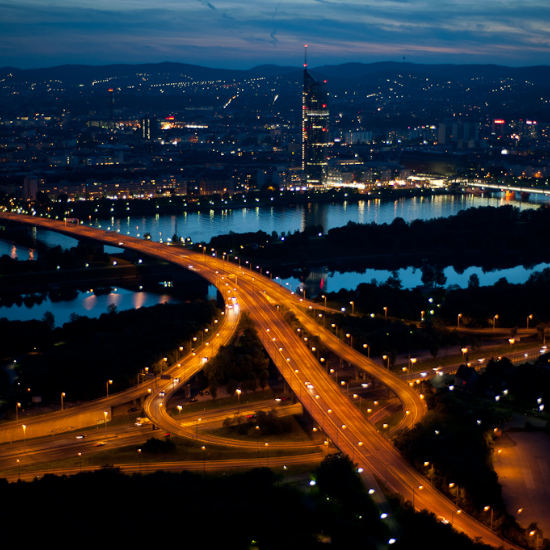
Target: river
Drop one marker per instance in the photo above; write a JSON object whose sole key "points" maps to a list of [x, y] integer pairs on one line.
{"points": [[203, 225]]}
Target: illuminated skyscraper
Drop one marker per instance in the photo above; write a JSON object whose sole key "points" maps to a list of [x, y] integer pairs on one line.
{"points": [[314, 129]]}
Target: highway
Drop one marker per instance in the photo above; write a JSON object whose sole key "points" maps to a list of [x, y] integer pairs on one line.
{"points": [[335, 415]]}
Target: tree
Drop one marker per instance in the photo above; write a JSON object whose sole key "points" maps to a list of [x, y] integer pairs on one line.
{"points": [[49, 319], [473, 281], [434, 349], [393, 281], [214, 390], [231, 387], [262, 378], [428, 275]]}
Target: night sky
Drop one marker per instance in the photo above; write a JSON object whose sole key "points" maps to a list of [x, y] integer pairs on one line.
{"points": [[241, 34]]}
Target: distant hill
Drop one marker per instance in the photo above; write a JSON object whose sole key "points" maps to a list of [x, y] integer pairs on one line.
{"points": [[107, 75], [539, 75]]}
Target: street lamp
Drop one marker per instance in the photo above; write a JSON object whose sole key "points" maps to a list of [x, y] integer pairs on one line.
{"points": [[325, 298], [463, 350], [458, 320], [385, 312], [528, 318], [267, 454], [495, 321], [537, 539], [344, 383], [451, 485], [203, 461], [107, 385], [348, 335], [352, 304], [366, 346], [139, 453], [384, 357], [62, 396], [486, 509], [80, 459], [412, 361], [420, 487], [238, 390], [356, 396], [105, 415], [180, 408], [17, 407]]}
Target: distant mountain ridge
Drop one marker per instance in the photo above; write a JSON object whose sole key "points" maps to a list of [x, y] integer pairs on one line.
{"points": [[75, 75]]}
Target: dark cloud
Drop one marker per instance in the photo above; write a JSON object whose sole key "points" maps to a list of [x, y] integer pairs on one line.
{"points": [[33, 32], [207, 4]]}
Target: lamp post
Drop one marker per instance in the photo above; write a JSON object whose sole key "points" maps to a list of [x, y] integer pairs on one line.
{"points": [[420, 487], [80, 460], [528, 318], [412, 361], [486, 509], [267, 454], [238, 390], [203, 461], [17, 407], [386, 357], [105, 415], [205, 331], [348, 335], [352, 304], [180, 408], [344, 383], [366, 346], [531, 533], [24, 435], [458, 320], [325, 298], [107, 386], [356, 396], [495, 321], [139, 453], [385, 312], [62, 396], [451, 485]]}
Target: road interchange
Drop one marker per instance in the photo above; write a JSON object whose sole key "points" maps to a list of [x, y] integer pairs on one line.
{"points": [[331, 410]]}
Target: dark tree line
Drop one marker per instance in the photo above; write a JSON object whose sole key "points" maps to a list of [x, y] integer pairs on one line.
{"points": [[486, 236], [81, 356], [242, 364], [453, 447]]}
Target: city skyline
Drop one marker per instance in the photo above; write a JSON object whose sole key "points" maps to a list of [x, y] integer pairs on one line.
{"points": [[238, 35]]}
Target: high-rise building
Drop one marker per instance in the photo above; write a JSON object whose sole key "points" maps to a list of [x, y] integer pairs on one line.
{"points": [[149, 128], [315, 117]]}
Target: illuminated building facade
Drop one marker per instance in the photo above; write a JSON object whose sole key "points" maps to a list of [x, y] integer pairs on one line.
{"points": [[314, 129]]}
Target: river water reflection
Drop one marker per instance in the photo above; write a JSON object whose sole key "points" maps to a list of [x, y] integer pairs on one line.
{"points": [[86, 303], [202, 226]]}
